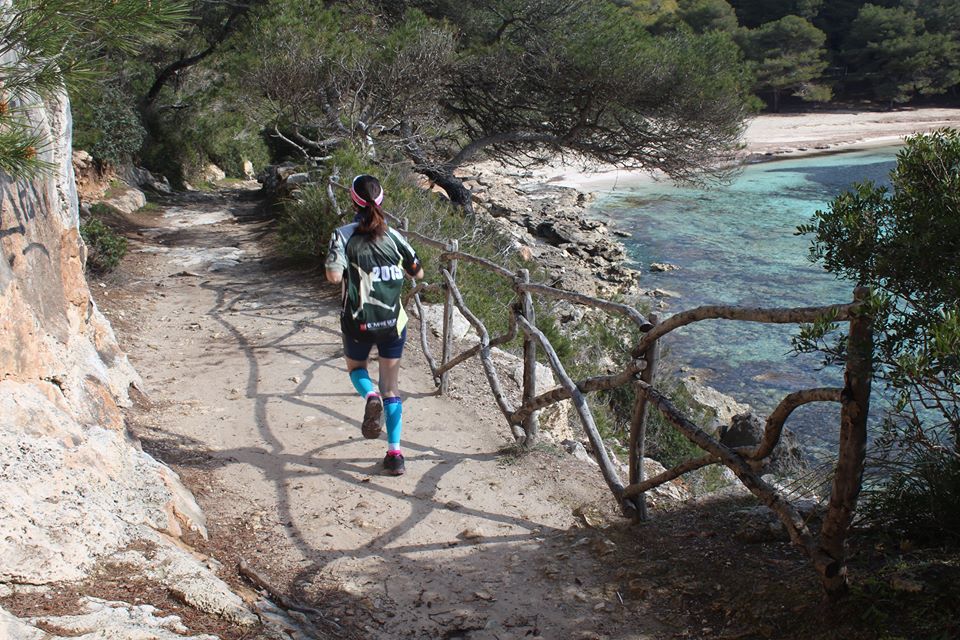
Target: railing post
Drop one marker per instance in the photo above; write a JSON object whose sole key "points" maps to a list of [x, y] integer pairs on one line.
{"points": [[531, 425], [448, 307], [638, 422], [848, 477]]}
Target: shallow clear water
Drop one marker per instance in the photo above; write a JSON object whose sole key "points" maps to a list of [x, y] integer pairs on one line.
{"points": [[737, 245]]}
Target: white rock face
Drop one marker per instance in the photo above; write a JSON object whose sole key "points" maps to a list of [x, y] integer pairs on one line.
{"points": [[126, 199], [433, 316], [12, 628], [190, 581], [674, 491], [554, 419], [213, 173], [103, 620], [720, 407], [74, 486], [71, 492]]}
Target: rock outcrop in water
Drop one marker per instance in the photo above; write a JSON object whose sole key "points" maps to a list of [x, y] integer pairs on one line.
{"points": [[75, 487]]}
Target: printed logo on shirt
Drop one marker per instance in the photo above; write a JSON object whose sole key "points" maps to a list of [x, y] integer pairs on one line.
{"points": [[386, 274], [373, 326]]}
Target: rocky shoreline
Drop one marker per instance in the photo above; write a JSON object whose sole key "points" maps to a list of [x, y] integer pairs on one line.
{"points": [[549, 223]]}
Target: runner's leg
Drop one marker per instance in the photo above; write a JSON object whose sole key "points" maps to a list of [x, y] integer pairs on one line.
{"points": [[392, 405], [357, 356]]}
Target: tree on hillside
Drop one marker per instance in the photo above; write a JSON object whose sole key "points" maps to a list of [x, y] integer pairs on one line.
{"points": [[579, 78], [44, 45], [211, 23], [753, 13], [940, 16], [708, 15], [889, 51], [903, 244], [787, 55]]}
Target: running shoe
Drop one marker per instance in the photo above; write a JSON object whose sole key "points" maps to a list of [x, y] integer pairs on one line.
{"points": [[371, 417], [393, 464]]}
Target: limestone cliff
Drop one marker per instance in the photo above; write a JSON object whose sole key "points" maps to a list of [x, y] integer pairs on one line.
{"points": [[74, 486]]}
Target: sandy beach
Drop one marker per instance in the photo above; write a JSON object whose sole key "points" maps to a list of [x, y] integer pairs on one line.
{"points": [[797, 134], [775, 136]]}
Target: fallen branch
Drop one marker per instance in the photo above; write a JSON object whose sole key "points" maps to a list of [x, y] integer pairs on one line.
{"points": [[256, 579], [670, 474], [796, 526]]}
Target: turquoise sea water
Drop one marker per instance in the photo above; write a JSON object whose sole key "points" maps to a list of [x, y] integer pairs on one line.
{"points": [[736, 244]]}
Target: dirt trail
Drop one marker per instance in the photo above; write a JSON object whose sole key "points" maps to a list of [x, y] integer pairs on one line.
{"points": [[251, 403]]}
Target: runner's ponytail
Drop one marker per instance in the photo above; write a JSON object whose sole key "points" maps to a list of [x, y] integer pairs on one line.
{"points": [[367, 196]]}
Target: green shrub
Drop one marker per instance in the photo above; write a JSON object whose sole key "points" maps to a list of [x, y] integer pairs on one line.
{"points": [[306, 225], [920, 500], [182, 144], [106, 125], [227, 139], [105, 247]]}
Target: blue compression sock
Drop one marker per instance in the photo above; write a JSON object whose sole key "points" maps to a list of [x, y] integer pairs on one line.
{"points": [[362, 382], [393, 408]]}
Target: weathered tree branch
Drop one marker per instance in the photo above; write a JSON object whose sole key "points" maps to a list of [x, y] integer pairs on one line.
{"points": [[848, 477], [774, 427], [610, 474], [791, 519], [587, 385], [749, 314], [622, 309], [643, 486], [491, 372]]}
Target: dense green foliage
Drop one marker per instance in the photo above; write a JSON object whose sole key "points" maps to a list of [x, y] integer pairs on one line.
{"points": [[892, 51], [47, 44], [107, 125], [105, 247], [903, 244], [628, 82], [785, 55]]}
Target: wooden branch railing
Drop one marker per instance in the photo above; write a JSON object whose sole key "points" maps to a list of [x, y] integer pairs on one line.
{"points": [[747, 463]]}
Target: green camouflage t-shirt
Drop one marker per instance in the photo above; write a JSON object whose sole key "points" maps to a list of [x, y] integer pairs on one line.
{"points": [[374, 269]]}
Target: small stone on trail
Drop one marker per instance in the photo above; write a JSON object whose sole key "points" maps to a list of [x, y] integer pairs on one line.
{"points": [[483, 595], [471, 534], [295, 379], [453, 505]]}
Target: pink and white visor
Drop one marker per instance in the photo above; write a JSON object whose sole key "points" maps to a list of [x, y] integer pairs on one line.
{"points": [[360, 202]]}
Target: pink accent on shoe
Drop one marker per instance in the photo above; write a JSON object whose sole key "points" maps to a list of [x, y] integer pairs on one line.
{"points": [[394, 452]]}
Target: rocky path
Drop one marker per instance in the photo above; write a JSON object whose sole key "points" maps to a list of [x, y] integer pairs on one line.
{"points": [[250, 402]]}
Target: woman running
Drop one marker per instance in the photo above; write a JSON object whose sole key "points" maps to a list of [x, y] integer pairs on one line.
{"points": [[371, 259]]}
